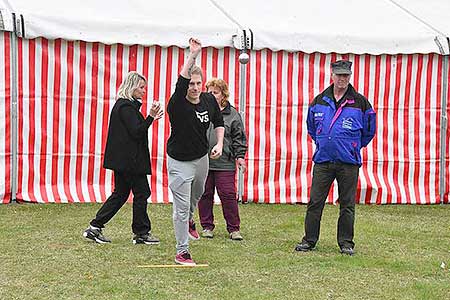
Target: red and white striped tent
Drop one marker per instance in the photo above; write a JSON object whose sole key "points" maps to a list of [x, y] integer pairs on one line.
{"points": [[63, 61]]}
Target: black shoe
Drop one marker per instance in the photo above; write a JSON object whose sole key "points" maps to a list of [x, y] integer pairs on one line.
{"points": [[347, 251], [96, 235], [304, 246], [147, 239]]}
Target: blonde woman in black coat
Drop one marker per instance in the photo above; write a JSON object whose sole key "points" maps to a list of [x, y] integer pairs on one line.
{"points": [[127, 154]]}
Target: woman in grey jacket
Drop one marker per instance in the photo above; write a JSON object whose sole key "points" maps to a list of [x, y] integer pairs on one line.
{"points": [[222, 171]]}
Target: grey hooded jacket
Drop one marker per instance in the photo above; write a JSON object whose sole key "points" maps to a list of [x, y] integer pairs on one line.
{"points": [[234, 141]]}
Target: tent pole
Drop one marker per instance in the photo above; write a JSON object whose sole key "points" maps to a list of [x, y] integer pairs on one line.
{"points": [[442, 177], [242, 93], [14, 93]]}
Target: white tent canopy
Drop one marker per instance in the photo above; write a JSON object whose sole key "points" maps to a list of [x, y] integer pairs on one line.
{"points": [[342, 26], [164, 23]]}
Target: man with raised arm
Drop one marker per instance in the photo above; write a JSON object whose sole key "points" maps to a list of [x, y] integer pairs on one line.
{"points": [[190, 113]]}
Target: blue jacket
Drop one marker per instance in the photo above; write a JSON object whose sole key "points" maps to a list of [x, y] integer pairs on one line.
{"points": [[340, 132]]}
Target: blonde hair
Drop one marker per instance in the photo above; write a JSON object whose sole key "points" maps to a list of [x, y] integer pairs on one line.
{"points": [[222, 86], [129, 85]]}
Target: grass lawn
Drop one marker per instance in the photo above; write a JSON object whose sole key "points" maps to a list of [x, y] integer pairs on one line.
{"points": [[399, 251]]}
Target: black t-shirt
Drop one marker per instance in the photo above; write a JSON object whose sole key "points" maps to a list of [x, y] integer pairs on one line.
{"points": [[189, 123]]}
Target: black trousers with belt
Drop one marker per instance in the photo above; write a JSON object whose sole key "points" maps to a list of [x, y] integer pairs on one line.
{"points": [[124, 183], [323, 176]]}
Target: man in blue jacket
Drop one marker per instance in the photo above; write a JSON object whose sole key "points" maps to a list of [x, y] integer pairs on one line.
{"points": [[340, 122]]}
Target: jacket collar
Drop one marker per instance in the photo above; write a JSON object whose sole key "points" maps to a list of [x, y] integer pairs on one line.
{"points": [[328, 95], [227, 109], [349, 94], [136, 103]]}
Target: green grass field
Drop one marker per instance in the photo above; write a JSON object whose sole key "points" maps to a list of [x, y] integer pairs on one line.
{"points": [[399, 254]]}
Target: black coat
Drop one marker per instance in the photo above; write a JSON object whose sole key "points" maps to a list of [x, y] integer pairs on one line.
{"points": [[127, 143]]}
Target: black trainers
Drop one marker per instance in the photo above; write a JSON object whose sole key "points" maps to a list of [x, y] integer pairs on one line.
{"points": [[147, 239], [96, 235], [304, 246], [347, 251]]}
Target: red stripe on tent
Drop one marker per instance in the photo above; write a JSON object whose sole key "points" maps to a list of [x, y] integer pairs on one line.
{"points": [[376, 160], [437, 60], [144, 109], [322, 71], [105, 115], [333, 59], [32, 117], [386, 127], [428, 137], [215, 61], [157, 82], [302, 102], [366, 77], [132, 57], [226, 66], [68, 114], [93, 122], [396, 139], [406, 127], [167, 122], [7, 70], [257, 122], [278, 108], [267, 126], [144, 72], [155, 125], [44, 118], [80, 124], [147, 100], [119, 66], [311, 95], [56, 110], [290, 106], [417, 134], [204, 64], [356, 79]]}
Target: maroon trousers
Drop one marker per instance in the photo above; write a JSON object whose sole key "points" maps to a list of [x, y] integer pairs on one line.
{"points": [[225, 183]]}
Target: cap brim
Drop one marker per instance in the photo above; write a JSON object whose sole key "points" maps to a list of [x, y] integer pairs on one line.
{"points": [[342, 72]]}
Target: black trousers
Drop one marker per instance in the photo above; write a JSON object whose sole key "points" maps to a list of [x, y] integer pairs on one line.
{"points": [[124, 183], [347, 179]]}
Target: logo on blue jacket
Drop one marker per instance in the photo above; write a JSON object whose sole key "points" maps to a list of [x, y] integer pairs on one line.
{"points": [[347, 123]]}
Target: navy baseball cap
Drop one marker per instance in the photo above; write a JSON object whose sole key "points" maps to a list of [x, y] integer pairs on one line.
{"points": [[341, 67]]}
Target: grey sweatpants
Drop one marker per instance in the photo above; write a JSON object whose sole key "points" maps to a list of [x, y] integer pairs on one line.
{"points": [[187, 183]]}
